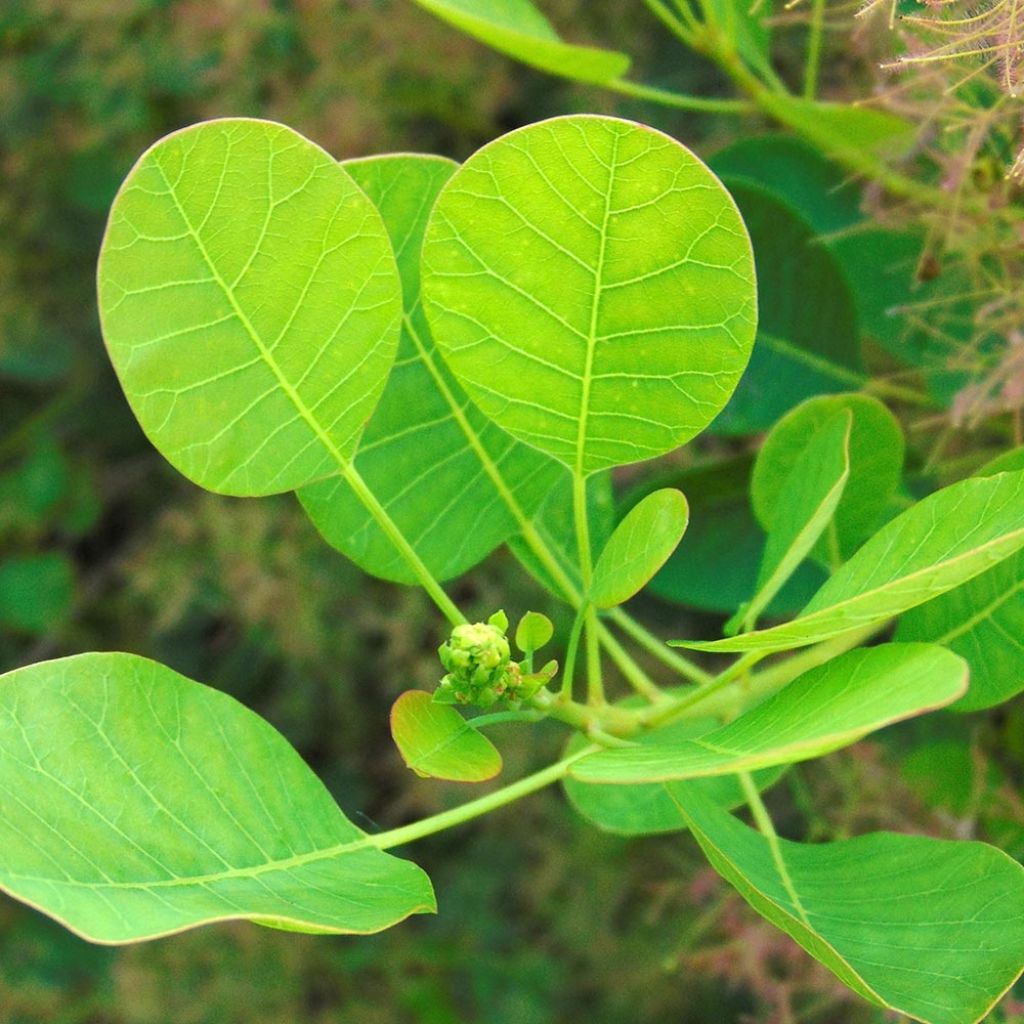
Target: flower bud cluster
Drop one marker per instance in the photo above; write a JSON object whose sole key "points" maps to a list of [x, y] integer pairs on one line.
{"points": [[481, 672]]}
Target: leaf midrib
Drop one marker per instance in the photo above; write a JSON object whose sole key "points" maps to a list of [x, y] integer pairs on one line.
{"points": [[265, 354], [588, 363]]}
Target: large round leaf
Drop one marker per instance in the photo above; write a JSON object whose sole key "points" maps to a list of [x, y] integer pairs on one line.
{"points": [[591, 285], [438, 466], [250, 302]]}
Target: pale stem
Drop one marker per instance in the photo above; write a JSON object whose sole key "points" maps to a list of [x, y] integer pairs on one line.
{"points": [[595, 685], [814, 49], [570, 651], [475, 808], [658, 648], [387, 524]]}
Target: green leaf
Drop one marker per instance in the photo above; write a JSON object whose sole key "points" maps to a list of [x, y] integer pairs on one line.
{"points": [[826, 708], [591, 285], [811, 493], [517, 29], [648, 808], [942, 541], [639, 547], [983, 621], [807, 340], [533, 632], [838, 129], [931, 928], [796, 173], [250, 302], [435, 463], [876, 465], [555, 525], [715, 566], [435, 741], [36, 591], [136, 803]]}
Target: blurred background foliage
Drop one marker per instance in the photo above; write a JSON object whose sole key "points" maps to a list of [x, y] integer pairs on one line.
{"points": [[103, 546]]}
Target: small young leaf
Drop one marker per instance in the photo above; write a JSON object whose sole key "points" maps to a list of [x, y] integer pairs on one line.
{"points": [[941, 542], [590, 284], [435, 741], [876, 465], [930, 928], [982, 621], [136, 803], [533, 632], [250, 302], [517, 29], [715, 566], [639, 547], [428, 455], [826, 708], [811, 492]]}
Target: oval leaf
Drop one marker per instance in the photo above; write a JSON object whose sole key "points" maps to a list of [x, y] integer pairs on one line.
{"points": [[639, 547], [827, 707], [517, 29], [136, 803], [944, 540], [982, 621], [437, 465], [876, 465], [533, 632], [812, 491], [435, 741], [250, 302], [649, 808], [715, 566], [591, 285], [927, 927]]}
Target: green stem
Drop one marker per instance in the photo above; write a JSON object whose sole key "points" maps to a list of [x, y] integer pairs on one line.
{"points": [[636, 677], [498, 717], [526, 527], [682, 30], [408, 552], [668, 98], [595, 684], [475, 808], [767, 829], [570, 651], [814, 49], [658, 648]]}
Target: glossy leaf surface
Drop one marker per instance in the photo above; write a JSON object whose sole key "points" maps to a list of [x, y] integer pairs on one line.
{"points": [[941, 542], [639, 546], [828, 707], [931, 928], [519, 30], [429, 456], [435, 741], [135, 803], [591, 285], [250, 302]]}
